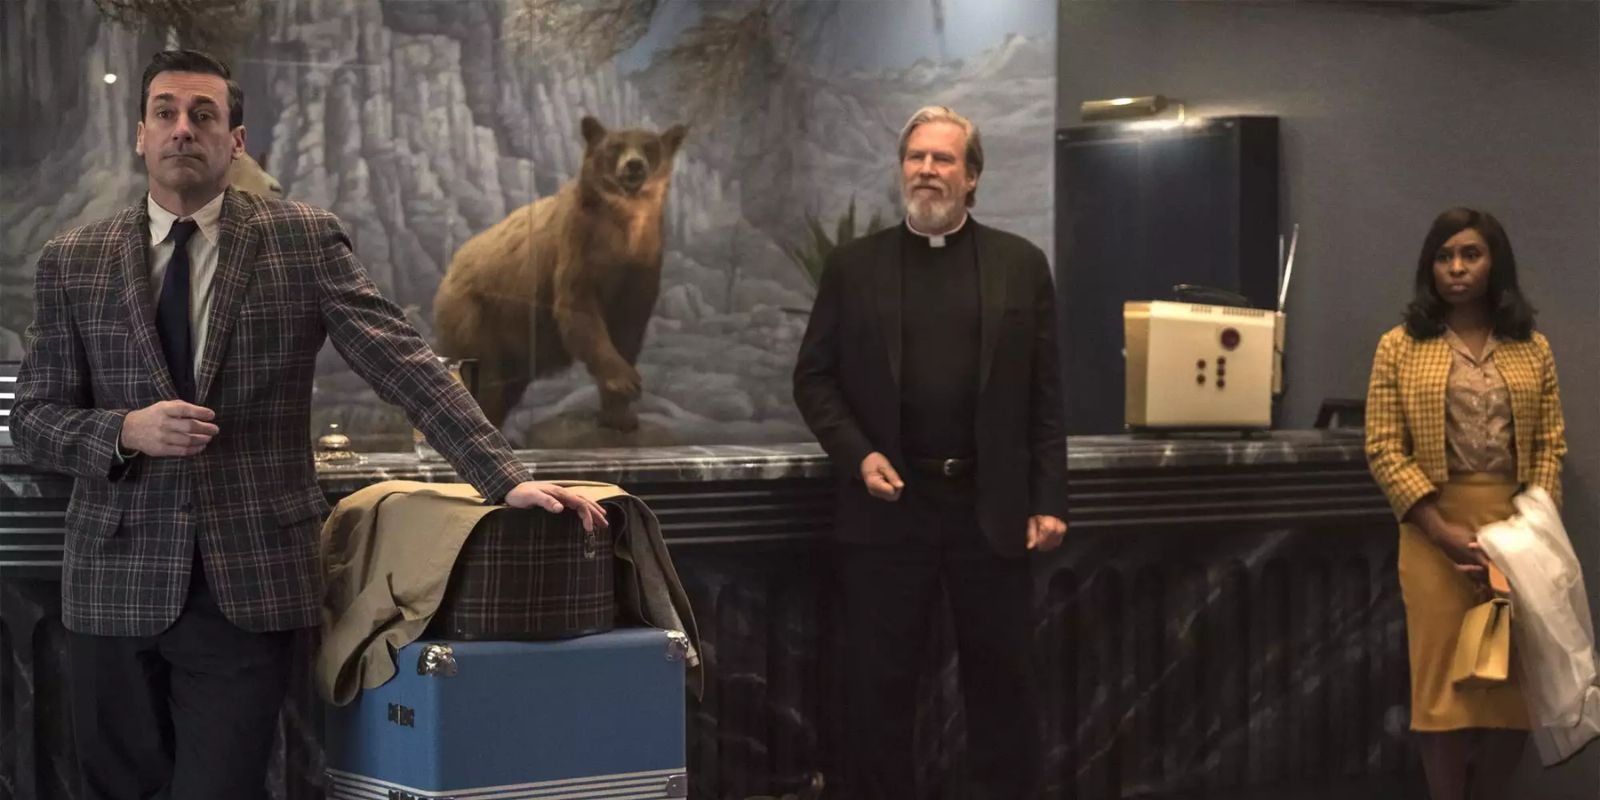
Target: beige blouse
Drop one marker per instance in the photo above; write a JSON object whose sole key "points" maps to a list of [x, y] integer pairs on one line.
{"points": [[1478, 430]]}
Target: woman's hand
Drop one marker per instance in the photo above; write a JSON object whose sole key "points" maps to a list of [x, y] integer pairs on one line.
{"points": [[1460, 544]]}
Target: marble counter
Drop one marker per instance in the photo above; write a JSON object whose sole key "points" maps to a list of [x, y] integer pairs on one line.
{"points": [[1224, 617], [807, 460], [712, 493]]}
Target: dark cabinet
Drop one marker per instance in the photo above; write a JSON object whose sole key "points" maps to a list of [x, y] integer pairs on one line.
{"points": [[1141, 207]]}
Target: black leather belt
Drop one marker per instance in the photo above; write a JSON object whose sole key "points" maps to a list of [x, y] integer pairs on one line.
{"points": [[942, 467]]}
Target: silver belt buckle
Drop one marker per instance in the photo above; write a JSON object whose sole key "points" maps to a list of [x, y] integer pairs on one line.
{"points": [[949, 469]]}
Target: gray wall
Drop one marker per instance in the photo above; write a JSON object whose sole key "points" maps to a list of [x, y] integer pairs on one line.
{"points": [[1389, 116]]}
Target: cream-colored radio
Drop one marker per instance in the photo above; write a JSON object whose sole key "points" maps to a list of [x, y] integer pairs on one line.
{"points": [[1200, 365], [1196, 366]]}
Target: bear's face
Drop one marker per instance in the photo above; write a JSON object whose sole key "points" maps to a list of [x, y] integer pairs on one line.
{"points": [[625, 161]]}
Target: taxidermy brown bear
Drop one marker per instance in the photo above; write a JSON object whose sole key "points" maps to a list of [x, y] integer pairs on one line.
{"points": [[572, 276]]}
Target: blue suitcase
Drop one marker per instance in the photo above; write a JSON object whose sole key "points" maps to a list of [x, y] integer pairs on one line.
{"points": [[599, 716]]}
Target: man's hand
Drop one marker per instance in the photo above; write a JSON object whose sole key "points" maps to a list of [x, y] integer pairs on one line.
{"points": [[553, 498], [168, 428], [881, 479], [1045, 532]]}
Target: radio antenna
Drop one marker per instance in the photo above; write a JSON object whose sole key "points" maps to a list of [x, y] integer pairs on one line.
{"points": [[1288, 268]]}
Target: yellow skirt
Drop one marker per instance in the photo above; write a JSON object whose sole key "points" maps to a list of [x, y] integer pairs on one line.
{"points": [[1436, 598]]}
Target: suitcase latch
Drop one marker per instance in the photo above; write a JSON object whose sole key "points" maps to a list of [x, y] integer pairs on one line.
{"points": [[678, 786], [677, 645], [437, 660]]}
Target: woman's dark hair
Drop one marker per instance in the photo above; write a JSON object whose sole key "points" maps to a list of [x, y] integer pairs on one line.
{"points": [[193, 61], [1511, 314]]}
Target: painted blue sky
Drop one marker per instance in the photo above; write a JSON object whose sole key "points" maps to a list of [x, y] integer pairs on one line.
{"points": [[878, 34]]}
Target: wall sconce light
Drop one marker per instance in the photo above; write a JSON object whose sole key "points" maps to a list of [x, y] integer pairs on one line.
{"points": [[1126, 108]]}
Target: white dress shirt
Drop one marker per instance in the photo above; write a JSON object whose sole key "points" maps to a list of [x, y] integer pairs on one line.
{"points": [[202, 264]]}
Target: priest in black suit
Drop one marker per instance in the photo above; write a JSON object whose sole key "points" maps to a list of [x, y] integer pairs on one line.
{"points": [[928, 373]]}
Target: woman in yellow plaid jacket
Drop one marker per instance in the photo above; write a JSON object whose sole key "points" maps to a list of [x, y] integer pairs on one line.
{"points": [[1463, 410]]}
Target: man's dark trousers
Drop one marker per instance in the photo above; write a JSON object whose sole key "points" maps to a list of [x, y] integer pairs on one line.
{"points": [[892, 599], [192, 710]]}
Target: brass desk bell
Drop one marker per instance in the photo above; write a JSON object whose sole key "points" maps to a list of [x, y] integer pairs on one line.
{"points": [[333, 446]]}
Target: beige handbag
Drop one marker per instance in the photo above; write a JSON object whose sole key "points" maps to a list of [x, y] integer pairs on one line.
{"points": [[1483, 649]]}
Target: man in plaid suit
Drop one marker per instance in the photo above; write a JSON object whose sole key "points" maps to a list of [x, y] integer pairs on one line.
{"points": [[169, 369]]}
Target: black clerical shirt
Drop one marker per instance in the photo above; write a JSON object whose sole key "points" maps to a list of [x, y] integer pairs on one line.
{"points": [[940, 313]]}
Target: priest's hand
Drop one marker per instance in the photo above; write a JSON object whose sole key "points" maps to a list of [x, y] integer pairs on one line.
{"points": [[1045, 532], [881, 479]]}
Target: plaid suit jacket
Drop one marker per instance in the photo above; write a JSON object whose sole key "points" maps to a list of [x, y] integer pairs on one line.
{"points": [[286, 281], [1406, 410]]}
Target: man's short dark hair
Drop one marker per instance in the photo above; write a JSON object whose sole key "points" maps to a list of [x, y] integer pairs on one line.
{"points": [[193, 61]]}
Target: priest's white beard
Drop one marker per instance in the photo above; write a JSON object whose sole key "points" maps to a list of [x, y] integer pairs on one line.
{"points": [[934, 215]]}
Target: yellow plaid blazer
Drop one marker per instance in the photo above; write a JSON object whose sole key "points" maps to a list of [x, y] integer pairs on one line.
{"points": [[1406, 409]]}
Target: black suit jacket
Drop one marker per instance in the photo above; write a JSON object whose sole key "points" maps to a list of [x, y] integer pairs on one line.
{"points": [[847, 383]]}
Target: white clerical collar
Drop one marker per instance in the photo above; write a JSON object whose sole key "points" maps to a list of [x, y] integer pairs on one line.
{"points": [[936, 241]]}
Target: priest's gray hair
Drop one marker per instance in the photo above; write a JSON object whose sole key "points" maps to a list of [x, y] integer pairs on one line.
{"points": [[974, 154]]}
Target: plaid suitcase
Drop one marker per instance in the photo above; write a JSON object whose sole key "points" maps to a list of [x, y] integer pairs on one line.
{"points": [[594, 717], [528, 575]]}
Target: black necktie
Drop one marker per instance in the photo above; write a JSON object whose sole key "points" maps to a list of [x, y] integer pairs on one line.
{"points": [[172, 312]]}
